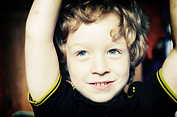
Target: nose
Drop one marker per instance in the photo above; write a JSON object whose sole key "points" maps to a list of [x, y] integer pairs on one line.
{"points": [[100, 66]]}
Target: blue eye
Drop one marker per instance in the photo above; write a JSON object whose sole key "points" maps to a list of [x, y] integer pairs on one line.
{"points": [[82, 53], [113, 52]]}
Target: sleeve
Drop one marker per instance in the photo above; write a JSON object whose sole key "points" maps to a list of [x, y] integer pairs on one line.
{"points": [[165, 86], [154, 97], [47, 95], [54, 102]]}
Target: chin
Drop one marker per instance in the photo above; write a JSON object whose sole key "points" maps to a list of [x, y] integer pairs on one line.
{"points": [[104, 98], [101, 99]]}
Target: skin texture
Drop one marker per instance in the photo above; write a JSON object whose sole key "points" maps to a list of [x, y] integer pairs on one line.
{"points": [[93, 57]]}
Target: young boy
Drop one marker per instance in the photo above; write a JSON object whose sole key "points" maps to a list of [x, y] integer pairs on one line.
{"points": [[102, 42]]}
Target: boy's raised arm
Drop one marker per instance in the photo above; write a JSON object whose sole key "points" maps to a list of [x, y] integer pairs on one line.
{"points": [[173, 12], [169, 68], [42, 67]]}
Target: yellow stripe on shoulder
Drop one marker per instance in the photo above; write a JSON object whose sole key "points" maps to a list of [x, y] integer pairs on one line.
{"points": [[165, 86], [47, 95]]}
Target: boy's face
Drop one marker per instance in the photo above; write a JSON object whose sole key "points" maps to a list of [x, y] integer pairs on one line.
{"points": [[98, 66]]}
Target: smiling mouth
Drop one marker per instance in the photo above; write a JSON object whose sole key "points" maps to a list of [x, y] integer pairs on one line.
{"points": [[102, 86], [101, 83]]}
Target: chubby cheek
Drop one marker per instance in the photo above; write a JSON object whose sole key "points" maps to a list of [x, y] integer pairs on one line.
{"points": [[78, 75], [77, 71], [121, 68]]}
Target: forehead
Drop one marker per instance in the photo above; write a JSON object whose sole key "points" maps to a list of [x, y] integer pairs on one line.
{"points": [[107, 25]]}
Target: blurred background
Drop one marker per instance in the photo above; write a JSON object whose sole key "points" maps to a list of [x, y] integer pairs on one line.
{"points": [[13, 86]]}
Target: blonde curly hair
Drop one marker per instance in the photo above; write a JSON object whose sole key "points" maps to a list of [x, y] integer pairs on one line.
{"points": [[133, 24]]}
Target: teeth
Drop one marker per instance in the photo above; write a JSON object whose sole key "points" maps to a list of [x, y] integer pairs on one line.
{"points": [[100, 84]]}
